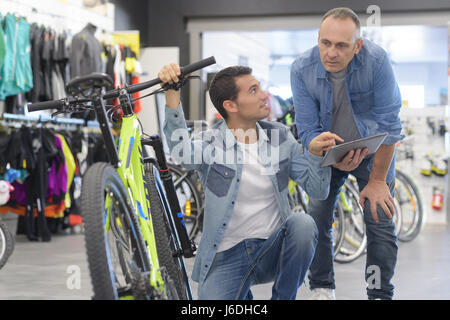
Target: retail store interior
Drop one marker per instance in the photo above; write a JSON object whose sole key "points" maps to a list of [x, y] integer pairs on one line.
{"points": [[417, 41]]}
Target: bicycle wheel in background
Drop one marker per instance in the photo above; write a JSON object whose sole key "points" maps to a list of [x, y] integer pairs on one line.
{"points": [[6, 244], [116, 250], [297, 198], [338, 230], [355, 240], [166, 240], [410, 201], [298, 201], [191, 199]]}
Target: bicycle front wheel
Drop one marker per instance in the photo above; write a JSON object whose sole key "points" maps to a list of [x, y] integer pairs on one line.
{"points": [[115, 247]]}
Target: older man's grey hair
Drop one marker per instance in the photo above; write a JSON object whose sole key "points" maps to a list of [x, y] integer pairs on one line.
{"points": [[344, 13]]}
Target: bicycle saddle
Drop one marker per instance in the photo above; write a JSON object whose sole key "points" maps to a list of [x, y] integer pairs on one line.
{"points": [[85, 84]]}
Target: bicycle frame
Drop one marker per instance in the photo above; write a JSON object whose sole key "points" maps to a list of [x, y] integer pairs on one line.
{"points": [[129, 162]]}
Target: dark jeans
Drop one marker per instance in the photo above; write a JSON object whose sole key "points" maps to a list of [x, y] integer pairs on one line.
{"points": [[381, 239]]}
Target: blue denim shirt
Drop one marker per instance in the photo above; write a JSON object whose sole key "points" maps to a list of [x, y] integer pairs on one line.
{"points": [[218, 159], [371, 90]]}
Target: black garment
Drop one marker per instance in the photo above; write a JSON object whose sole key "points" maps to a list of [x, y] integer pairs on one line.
{"points": [[36, 41], [14, 104], [27, 158], [96, 150], [4, 145], [47, 64], [63, 57], [36, 227], [13, 152], [110, 57]]}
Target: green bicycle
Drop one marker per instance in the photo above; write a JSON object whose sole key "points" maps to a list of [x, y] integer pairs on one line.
{"points": [[135, 235]]}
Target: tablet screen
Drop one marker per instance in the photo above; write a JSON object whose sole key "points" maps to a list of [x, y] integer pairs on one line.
{"points": [[337, 153]]}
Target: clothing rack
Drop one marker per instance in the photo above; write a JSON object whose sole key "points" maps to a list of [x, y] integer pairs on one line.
{"points": [[49, 119], [43, 198]]}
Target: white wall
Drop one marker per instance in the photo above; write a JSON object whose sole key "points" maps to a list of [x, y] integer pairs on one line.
{"points": [[152, 60], [433, 76], [226, 47]]}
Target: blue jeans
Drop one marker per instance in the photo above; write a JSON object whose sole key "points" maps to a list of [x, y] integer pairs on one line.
{"points": [[283, 258], [381, 239]]}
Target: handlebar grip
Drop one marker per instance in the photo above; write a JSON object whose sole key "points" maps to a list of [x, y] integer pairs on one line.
{"points": [[52, 104], [197, 65]]}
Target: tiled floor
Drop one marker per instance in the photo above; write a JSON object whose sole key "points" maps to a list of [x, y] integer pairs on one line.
{"points": [[46, 270]]}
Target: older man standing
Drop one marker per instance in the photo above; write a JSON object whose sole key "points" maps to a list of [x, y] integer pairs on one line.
{"points": [[346, 85]]}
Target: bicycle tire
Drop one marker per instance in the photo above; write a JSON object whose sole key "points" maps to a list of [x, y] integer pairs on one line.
{"points": [[163, 236], [102, 178], [409, 234], [355, 221], [6, 244], [197, 206]]}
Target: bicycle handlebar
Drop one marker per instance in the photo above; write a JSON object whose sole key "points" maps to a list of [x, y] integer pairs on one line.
{"points": [[52, 104], [57, 104]]}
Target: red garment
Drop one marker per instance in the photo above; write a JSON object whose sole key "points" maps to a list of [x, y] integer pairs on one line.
{"points": [[137, 104]]}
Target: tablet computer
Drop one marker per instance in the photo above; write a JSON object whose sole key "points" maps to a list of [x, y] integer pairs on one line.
{"points": [[338, 152]]}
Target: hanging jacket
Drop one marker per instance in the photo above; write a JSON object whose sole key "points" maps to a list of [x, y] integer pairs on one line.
{"points": [[46, 60], [86, 53], [37, 40], [2, 44], [16, 74]]}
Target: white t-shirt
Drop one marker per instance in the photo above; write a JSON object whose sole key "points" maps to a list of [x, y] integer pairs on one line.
{"points": [[256, 213]]}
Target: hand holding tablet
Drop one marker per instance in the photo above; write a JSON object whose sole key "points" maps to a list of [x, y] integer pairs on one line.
{"points": [[337, 153]]}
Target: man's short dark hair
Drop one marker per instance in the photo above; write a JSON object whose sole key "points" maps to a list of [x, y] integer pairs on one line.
{"points": [[223, 87], [343, 13]]}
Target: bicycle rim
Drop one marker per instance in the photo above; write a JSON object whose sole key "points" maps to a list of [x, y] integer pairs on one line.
{"points": [[355, 240]]}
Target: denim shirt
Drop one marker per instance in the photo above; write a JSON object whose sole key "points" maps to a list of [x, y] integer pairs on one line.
{"points": [[371, 88], [217, 157]]}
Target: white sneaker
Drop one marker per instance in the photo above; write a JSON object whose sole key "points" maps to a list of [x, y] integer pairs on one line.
{"points": [[322, 294]]}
